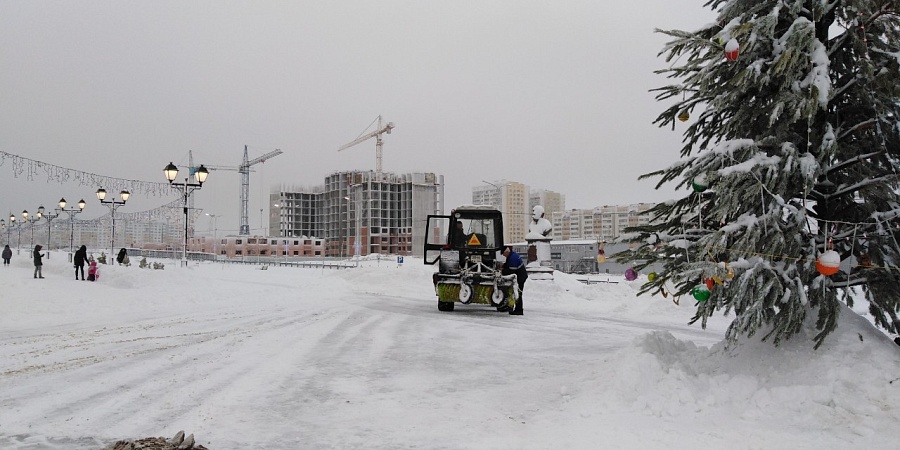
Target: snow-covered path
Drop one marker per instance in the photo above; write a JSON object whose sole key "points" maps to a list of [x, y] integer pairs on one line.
{"points": [[302, 358]]}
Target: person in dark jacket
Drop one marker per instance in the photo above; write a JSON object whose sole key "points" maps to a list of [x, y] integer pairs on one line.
{"points": [[459, 236], [7, 254], [120, 258], [37, 261], [80, 258], [514, 264]]}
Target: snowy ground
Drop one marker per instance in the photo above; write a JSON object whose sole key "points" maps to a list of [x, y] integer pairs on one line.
{"points": [[304, 358]]}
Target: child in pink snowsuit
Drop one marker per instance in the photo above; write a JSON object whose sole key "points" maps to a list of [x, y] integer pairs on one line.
{"points": [[93, 272]]}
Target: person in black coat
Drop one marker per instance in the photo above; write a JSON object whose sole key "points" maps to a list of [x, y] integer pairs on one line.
{"points": [[120, 258], [80, 258], [7, 254], [459, 236], [37, 262]]}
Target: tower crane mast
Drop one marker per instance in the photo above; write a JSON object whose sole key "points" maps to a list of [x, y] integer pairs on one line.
{"points": [[244, 170], [379, 130]]}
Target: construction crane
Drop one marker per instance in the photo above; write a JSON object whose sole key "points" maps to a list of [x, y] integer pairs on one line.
{"points": [[379, 130], [244, 170]]}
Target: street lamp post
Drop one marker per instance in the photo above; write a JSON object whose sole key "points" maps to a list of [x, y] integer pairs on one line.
{"points": [[499, 194], [348, 230], [71, 212], [31, 223], [49, 218], [186, 189], [113, 205], [215, 234], [12, 221]]}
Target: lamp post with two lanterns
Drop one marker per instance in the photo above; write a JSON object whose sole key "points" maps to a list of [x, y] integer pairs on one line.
{"points": [[31, 221], [12, 221], [112, 205], [186, 188], [71, 212], [49, 218]]}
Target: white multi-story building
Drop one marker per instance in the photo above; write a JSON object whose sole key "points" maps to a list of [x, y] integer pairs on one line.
{"points": [[602, 223]]}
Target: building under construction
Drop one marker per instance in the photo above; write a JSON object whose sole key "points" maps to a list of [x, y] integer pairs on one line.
{"points": [[360, 212]]}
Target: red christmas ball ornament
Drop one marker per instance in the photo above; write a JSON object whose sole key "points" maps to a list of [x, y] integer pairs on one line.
{"points": [[732, 48], [828, 263], [710, 283]]}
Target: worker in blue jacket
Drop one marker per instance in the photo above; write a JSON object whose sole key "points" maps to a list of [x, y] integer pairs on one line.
{"points": [[514, 264]]}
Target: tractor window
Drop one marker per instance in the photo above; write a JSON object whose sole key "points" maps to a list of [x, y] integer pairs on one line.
{"points": [[478, 233], [437, 230]]}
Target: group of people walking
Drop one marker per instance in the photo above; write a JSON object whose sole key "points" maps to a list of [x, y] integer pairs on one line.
{"points": [[79, 260]]}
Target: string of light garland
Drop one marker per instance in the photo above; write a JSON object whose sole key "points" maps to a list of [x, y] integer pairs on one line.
{"points": [[170, 212], [32, 169]]}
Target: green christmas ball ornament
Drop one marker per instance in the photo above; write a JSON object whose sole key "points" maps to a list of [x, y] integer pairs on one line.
{"points": [[700, 293], [651, 276], [699, 183]]}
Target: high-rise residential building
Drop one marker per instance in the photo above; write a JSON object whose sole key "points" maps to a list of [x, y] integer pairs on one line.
{"points": [[601, 223], [512, 199], [360, 212], [551, 202]]}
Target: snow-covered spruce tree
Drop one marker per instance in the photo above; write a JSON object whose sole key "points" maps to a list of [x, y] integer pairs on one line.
{"points": [[797, 138]]}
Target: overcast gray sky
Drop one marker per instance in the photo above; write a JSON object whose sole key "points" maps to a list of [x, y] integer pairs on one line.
{"points": [[552, 94]]}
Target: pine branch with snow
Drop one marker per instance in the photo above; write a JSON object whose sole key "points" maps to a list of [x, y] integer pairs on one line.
{"points": [[795, 133]]}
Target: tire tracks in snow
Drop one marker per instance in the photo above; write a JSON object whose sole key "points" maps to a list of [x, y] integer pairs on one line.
{"points": [[119, 371]]}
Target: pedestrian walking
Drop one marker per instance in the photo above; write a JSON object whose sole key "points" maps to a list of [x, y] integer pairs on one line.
{"points": [[7, 254], [122, 257], [37, 261]]}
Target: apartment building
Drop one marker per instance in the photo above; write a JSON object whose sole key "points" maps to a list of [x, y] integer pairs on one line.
{"points": [[512, 199], [551, 201], [602, 223], [263, 246], [360, 212]]}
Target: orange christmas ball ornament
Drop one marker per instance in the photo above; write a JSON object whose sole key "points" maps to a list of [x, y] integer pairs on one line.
{"points": [[684, 115], [828, 263], [732, 48]]}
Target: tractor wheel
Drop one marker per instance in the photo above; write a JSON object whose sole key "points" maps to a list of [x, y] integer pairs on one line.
{"points": [[445, 306]]}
